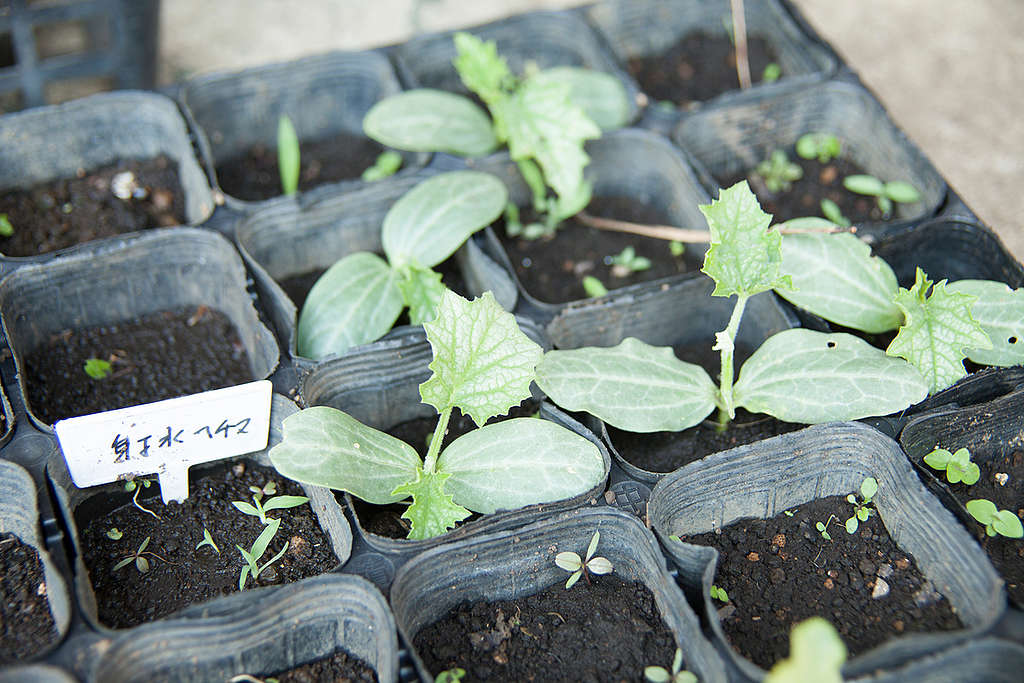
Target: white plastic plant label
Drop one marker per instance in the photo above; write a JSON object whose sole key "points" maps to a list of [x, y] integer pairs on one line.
{"points": [[166, 437]]}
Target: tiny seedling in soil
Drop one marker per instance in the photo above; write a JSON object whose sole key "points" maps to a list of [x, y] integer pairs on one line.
{"points": [[483, 365], [450, 676], [139, 557], [861, 509], [778, 172], [571, 562], [97, 368], [958, 465], [831, 211], [135, 486], [255, 553], [260, 508], [816, 655], [719, 594], [676, 248], [626, 262], [6, 229], [114, 534], [659, 674], [771, 73], [360, 297], [288, 155], [996, 521], [593, 286], [823, 528], [207, 540], [884, 193], [386, 165], [821, 146]]}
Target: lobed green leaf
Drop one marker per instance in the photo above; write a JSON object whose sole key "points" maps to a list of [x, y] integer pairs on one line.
{"points": [[816, 655], [600, 95], [432, 511], [480, 67], [1000, 312], [426, 120], [421, 290]]}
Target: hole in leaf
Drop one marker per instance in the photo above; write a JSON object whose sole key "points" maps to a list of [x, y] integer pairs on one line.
{"points": [[1012, 340], [831, 344]]}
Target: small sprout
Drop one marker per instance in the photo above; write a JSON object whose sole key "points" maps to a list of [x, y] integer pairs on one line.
{"points": [[450, 675], [821, 146], [259, 547], [958, 466], [513, 226], [288, 155], [261, 508], [97, 368], [861, 511], [884, 193], [594, 287], [778, 171], [141, 563], [789, 513], [137, 485], [772, 72], [719, 594], [571, 562], [816, 655], [831, 211], [996, 521], [6, 229], [207, 540], [627, 262], [114, 534], [387, 164], [823, 528], [659, 674], [677, 248]]}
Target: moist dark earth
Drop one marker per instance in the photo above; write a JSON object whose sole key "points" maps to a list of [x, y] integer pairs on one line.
{"points": [[181, 574], [158, 356], [339, 667], [254, 176], [780, 571], [65, 212], [26, 624], [697, 68], [604, 630]]}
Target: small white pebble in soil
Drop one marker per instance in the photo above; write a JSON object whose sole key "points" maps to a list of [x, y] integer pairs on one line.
{"points": [[881, 589], [123, 185], [1002, 478]]}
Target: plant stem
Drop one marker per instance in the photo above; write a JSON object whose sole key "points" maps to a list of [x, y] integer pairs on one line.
{"points": [[726, 343], [739, 32], [685, 235], [436, 440]]}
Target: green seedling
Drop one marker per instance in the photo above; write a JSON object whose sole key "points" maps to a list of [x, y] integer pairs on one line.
{"points": [[832, 213], [255, 553], [386, 165], [821, 146], [626, 262], [719, 594], [207, 540], [544, 117], [288, 155], [483, 365], [816, 655], [996, 521], [884, 193], [114, 534], [583, 567], [778, 172], [772, 72], [135, 486], [6, 229], [823, 528], [659, 674], [676, 248], [450, 675], [360, 297], [97, 368], [861, 509], [958, 466], [261, 507], [594, 287], [139, 558]]}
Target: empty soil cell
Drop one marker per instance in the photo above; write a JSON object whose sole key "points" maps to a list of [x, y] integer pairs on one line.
{"points": [[155, 357], [26, 624], [254, 176], [819, 181], [601, 630], [340, 666], [124, 197], [780, 571], [552, 268], [697, 68], [180, 574]]}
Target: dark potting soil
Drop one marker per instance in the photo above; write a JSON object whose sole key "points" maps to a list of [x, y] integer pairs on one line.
{"points": [[386, 520], [26, 624], [340, 667], [70, 211], [158, 356], [180, 574], [820, 181], [1007, 554], [780, 571], [607, 630], [552, 269], [254, 176], [698, 67]]}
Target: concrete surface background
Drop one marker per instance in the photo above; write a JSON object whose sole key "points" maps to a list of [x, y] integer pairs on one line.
{"points": [[950, 72]]}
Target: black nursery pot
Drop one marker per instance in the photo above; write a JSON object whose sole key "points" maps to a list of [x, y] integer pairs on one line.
{"points": [[733, 137], [19, 515], [630, 163], [118, 280], [515, 563], [259, 633], [75, 503], [762, 480], [50, 143], [325, 96]]}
